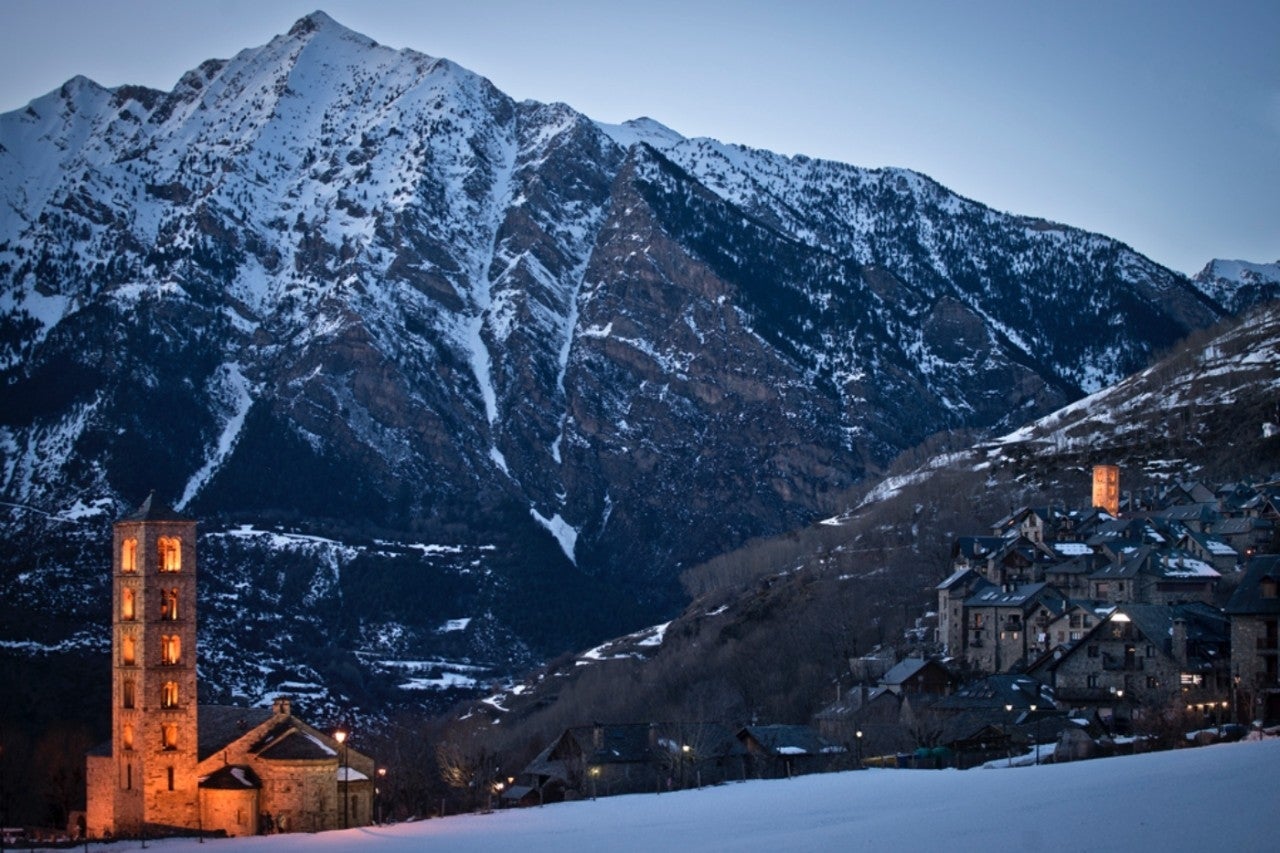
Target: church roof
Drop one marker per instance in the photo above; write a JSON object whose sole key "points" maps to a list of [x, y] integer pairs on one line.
{"points": [[290, 742], [232, 777], [222, 725], [153, 510]]}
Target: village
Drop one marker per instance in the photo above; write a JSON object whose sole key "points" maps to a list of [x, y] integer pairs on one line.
{"points": [[1059, 635]]}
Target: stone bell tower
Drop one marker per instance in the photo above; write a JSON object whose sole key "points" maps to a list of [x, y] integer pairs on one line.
{"points": [[153, 692]]}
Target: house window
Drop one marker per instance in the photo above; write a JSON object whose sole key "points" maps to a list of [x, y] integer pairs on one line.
{"points": [[1151, 651], [129, 556], [128, 777], [170, 778], [1152, 682], [1119, 586], [128, 604], [169, 604], [1268, 587], [1075, 635], [1093, 681], [169, 734], [169, 695], [126, 693], [170, 649], [170, 554], [126, 737], [1093, 651], [128, 650]]}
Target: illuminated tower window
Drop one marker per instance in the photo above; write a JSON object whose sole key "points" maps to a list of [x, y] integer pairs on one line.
{"points": [[128, 650], [127, 697], [170, 649], [170, 554], [169, 695], [129, 556], [128, 604], [170, 734], [169, 604], [126, 737]]}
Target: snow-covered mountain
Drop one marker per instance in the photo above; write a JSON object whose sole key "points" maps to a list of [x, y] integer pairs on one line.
{"points": [[1239, 285], [516, 366]]}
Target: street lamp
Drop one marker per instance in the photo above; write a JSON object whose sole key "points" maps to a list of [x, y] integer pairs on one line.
{"points": [[1008, 738], [858, 736], [341, 737], [382, 778], [595, 775]]}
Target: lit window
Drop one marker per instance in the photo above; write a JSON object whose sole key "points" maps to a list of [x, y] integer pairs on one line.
{"points": [[170, 734], [126, 737], [170, 649], [169, 695], [128, 649], [169, 604], [129, 556], [170, 554], [128, 604]]}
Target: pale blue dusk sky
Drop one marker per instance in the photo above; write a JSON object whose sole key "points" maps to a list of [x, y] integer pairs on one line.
{"points": [[1157, 123]]}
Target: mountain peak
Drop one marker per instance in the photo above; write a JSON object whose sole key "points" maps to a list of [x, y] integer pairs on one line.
{"points": [[317, 20], [643, 129]]}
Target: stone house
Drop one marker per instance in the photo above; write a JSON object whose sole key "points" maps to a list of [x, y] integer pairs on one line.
{"points": [[1008, 626], [1254, 611], [1145, 658], [175, 767]]}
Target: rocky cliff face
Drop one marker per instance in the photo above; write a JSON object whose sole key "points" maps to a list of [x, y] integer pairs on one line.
{"points": [[341, 289]]}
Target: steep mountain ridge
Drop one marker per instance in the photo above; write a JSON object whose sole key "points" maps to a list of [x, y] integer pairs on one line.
{"points": [[359, 293]]}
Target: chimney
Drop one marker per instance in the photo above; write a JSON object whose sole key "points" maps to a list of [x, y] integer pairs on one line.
{"points": [[281, 706], [1180, 641]]}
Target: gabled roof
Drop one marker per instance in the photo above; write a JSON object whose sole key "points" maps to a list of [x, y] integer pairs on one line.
{"points": [[221, 725], [1248, 599], [1023, 596], [288, 741], [232, 777], [996, 691], [788, 740]]}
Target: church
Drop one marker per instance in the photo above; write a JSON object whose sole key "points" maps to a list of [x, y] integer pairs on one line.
{"points": [[175, 767]]}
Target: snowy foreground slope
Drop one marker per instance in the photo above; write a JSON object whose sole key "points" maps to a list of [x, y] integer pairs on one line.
{"points": [[1213, 798]]}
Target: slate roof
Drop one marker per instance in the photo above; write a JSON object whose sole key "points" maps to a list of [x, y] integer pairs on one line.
{"points": [[1023, 596], [232, 777], [152, 510], [996, 691], [1248, 599], [288, 742], [221, 725], [788, 740]]}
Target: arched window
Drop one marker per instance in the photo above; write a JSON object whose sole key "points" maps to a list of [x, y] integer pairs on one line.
{"points": [[128, 604], [127, 697], [170, 649], [169, 604], [170, 554], [128, 650], [169, 732], [126, 737], [169, 695], [129, 556]]}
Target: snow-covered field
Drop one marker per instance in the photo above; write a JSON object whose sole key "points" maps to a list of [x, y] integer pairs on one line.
{"points": [[1212, 798]]}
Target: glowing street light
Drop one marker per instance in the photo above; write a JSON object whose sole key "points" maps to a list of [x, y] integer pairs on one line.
{"points": [[341, 737]]}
